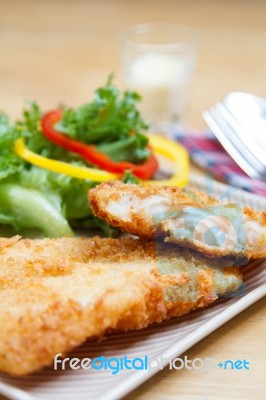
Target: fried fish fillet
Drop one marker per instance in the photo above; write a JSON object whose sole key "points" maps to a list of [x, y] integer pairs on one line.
{"points": [[183, 216], [56, 293]]}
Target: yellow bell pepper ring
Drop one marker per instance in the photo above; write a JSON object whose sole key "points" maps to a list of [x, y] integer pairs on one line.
{"points": [[160, 145], [75, 171], [177, 154]]}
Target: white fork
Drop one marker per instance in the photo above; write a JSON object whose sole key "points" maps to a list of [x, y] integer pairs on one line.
{"points": [[237, 141]]}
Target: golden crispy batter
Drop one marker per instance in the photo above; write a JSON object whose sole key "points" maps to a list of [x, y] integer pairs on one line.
{"points": [[182, 216], [132, 214], [56, 293]]}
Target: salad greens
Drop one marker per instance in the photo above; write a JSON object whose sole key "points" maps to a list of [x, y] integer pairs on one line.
{"points": [[108, 122], [31, 197]]}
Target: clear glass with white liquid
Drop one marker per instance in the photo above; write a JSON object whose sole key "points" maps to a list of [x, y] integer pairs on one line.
{"points": [[158, 62]]}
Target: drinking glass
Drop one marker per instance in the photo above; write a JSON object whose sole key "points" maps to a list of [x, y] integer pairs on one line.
{"points": [[158, 61]]}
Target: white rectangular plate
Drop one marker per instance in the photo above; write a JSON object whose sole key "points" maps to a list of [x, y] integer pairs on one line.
{"points": [[168, 340]]}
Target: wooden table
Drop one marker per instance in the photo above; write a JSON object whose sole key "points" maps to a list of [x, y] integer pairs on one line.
{"points": [[59, 51]]}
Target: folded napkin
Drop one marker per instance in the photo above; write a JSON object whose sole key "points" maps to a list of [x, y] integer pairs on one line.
{"points": [[206, 151]]}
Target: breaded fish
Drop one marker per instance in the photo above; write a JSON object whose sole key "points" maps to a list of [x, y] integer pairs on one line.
{"points": [[183, 216], [56, 293]]}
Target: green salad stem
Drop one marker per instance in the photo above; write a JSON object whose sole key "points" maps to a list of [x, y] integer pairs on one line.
{"points": [[30, 209]]}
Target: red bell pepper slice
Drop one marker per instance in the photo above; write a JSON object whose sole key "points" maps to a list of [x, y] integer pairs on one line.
{"points": [[91, 154]]}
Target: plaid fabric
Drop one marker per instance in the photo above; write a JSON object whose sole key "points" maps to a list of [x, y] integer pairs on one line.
{"points": [[208, 153]]}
